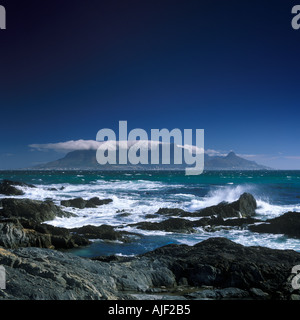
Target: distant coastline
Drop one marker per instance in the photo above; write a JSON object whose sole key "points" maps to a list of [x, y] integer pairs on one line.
{"points": [[86, 160]]}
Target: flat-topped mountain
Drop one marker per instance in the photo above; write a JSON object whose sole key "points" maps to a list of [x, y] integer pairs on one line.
{"points": [[86, 160]]}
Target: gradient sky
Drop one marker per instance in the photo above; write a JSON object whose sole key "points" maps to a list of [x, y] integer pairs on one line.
{"points": [[69, 68]]}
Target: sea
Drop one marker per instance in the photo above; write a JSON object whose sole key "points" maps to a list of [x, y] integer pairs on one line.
{"points": [[137, 195]]}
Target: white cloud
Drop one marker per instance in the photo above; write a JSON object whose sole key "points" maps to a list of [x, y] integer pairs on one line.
{"points": [[216, 153], [68, 146], [73, 145]]}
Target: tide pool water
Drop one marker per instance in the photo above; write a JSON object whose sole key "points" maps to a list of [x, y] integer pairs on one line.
{"points": [[138, 194]]}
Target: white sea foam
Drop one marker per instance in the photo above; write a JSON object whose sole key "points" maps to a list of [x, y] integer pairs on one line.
{"points": [[131, 197], [243, 237], [268, 210], [225, 193]]}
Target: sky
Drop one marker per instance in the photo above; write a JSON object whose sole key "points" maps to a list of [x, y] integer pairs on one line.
{"points": [[69, 68]]}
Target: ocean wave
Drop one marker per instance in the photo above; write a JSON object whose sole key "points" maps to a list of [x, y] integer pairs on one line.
{"points": [[221, 194], [268, 210]]}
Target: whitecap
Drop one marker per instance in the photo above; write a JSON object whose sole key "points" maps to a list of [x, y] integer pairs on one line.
{"points": [[221, 194]]}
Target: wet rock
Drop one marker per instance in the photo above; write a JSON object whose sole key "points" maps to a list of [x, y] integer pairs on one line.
{"points": [[80, 203], [245, 207], [221, 263], [169, 225], [38, 211], [288, 224], [173, 212], [75, 203], [8, 187], [104, 232]]}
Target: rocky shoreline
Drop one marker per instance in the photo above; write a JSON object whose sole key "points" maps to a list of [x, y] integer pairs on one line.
{"points": [[216, 268]]}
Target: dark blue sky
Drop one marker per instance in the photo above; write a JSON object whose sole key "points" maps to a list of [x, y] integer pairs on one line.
{"points": [[71, 68]]}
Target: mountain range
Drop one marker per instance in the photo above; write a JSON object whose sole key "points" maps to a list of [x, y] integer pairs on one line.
{"points": [[86, 160]]}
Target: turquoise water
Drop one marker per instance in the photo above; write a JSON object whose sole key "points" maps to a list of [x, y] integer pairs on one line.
{"points": [[142, 193]]}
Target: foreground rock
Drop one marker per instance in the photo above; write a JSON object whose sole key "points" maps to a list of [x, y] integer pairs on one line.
{"points": [[15, 233], [80, 203], [216, 268], [8, 187], [21, 225], [219, 262], [288, 224]]}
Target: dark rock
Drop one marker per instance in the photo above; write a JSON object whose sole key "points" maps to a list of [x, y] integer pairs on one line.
{"points": [[258, 293], [81, 203], [112, 258], [9, 190], [219, 294], [104, 232], [169, 225], [215, 224], [244, 207], [38, 211], [228, 270], [237, 222], [43, 274], [288, 224], [8, 187], [219, 262], [75, 203], [151, 216], [187, 226], [173, 212], [124, 214], [97, 202], [16, 233]]}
